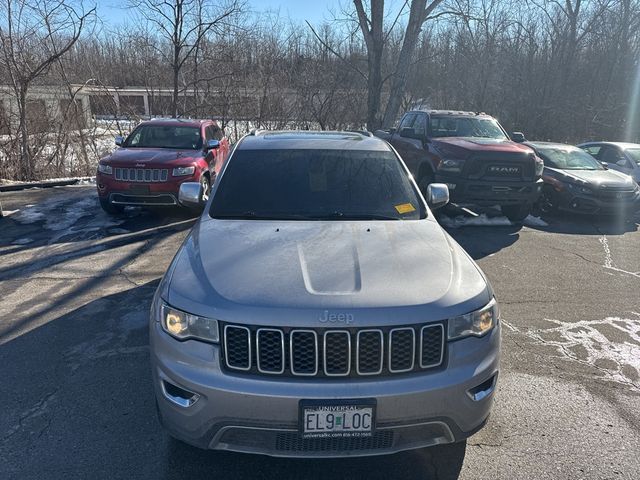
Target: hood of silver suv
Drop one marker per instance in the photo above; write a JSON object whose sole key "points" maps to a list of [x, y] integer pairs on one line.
{"points": [[274, 271]]}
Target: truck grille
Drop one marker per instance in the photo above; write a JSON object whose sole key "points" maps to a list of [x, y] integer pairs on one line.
{"points": [[150, 175], [500, 166], [332, 352]]}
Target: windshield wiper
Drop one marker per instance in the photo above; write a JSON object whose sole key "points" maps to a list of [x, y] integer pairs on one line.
{"points": [[351, 216], [250, 214]]}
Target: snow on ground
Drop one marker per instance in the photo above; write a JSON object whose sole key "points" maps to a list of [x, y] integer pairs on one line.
{"points": [[612, 344], [532, 221], [62, 215], [485, 220], [469, 221], [22, 241]]}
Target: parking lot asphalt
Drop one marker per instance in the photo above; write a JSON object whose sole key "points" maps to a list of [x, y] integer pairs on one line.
{"points": [[76, 395]]}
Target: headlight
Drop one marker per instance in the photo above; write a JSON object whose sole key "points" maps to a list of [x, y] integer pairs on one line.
{"points": [[182, 325], [580, 189], [106, 169], [451, 165], [182, 171], [539, 167], [476, 323]]}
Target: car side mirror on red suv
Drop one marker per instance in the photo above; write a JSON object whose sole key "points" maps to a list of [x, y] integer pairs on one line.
{"points": [[212, 145]]}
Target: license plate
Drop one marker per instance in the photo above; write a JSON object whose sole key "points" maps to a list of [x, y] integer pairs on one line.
{"points": [[340, 418]]}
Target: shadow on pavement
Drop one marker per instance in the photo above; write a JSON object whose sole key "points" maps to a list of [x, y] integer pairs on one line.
{"points": [[480, 242]]}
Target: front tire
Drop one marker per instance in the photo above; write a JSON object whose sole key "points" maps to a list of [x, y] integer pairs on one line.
{"points": [[110, 208], [516, 213]]}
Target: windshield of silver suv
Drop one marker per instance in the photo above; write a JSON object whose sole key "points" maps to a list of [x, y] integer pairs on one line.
{"points": [[316, 185], [165, 136], [450, 126]]}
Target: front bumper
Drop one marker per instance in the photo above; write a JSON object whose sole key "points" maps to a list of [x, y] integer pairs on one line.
{"points": [[255, 414], [120, 192], [489, 193], [590, 204]]}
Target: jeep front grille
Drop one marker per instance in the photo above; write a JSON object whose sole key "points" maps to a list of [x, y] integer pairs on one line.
{"points": [[332, 353], [148, 175]]}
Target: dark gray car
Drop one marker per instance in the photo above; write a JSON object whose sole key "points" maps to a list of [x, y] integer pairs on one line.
{"points": [[318, 309], [575, 181]]}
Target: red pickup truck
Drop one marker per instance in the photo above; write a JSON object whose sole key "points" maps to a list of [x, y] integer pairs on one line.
{"points": [[473, 155], [156, 158]]}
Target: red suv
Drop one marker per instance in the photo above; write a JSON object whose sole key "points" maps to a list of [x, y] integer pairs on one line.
{"points": [[156, 158]]}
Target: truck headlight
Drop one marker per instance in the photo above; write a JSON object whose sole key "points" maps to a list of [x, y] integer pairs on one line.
{"points": [[182, 325], [539, 167], [451, 165], [476, 323], [182, 171], [106, 169]]}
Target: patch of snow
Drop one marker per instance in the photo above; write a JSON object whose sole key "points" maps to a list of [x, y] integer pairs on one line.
{"points": [[22, 241], [479, 221], [532, 221], [29, 215], [6, 213], [585, 342]]}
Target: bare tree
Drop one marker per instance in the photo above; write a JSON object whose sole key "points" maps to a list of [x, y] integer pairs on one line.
{"points": [[372, 27], [183, 24], [34, 35]]}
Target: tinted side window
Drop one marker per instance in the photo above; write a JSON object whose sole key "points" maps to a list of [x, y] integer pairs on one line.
{"points": [[420, 124], [593, 150], [407, 121], [610, 155], [208, 134], [218, 133]]}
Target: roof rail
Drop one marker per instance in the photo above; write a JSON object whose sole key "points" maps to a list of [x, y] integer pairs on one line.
{"points": [[256, 131], [365, 133]]}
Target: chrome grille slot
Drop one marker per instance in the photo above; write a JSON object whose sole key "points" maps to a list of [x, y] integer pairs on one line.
{"points": [[237, 346], [146, 175], [337, 353], [369, 349], [431, 351], [325, 352], [402, 349], [270, 350], [303, 348]]}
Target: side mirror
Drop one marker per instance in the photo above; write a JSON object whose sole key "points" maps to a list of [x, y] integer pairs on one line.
{"points": [[409, 132], [212, 145], [119, 140], [437, 195], [190, 194], [518, 137], [605, 165]]}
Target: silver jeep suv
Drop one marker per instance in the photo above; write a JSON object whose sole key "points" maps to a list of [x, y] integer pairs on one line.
{"points": [[318, 309]]}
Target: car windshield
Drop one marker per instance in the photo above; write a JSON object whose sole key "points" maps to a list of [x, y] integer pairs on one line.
{"points": [[450, 126], [634, 154], [316, 185], [568, 158], [165, 136]]}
